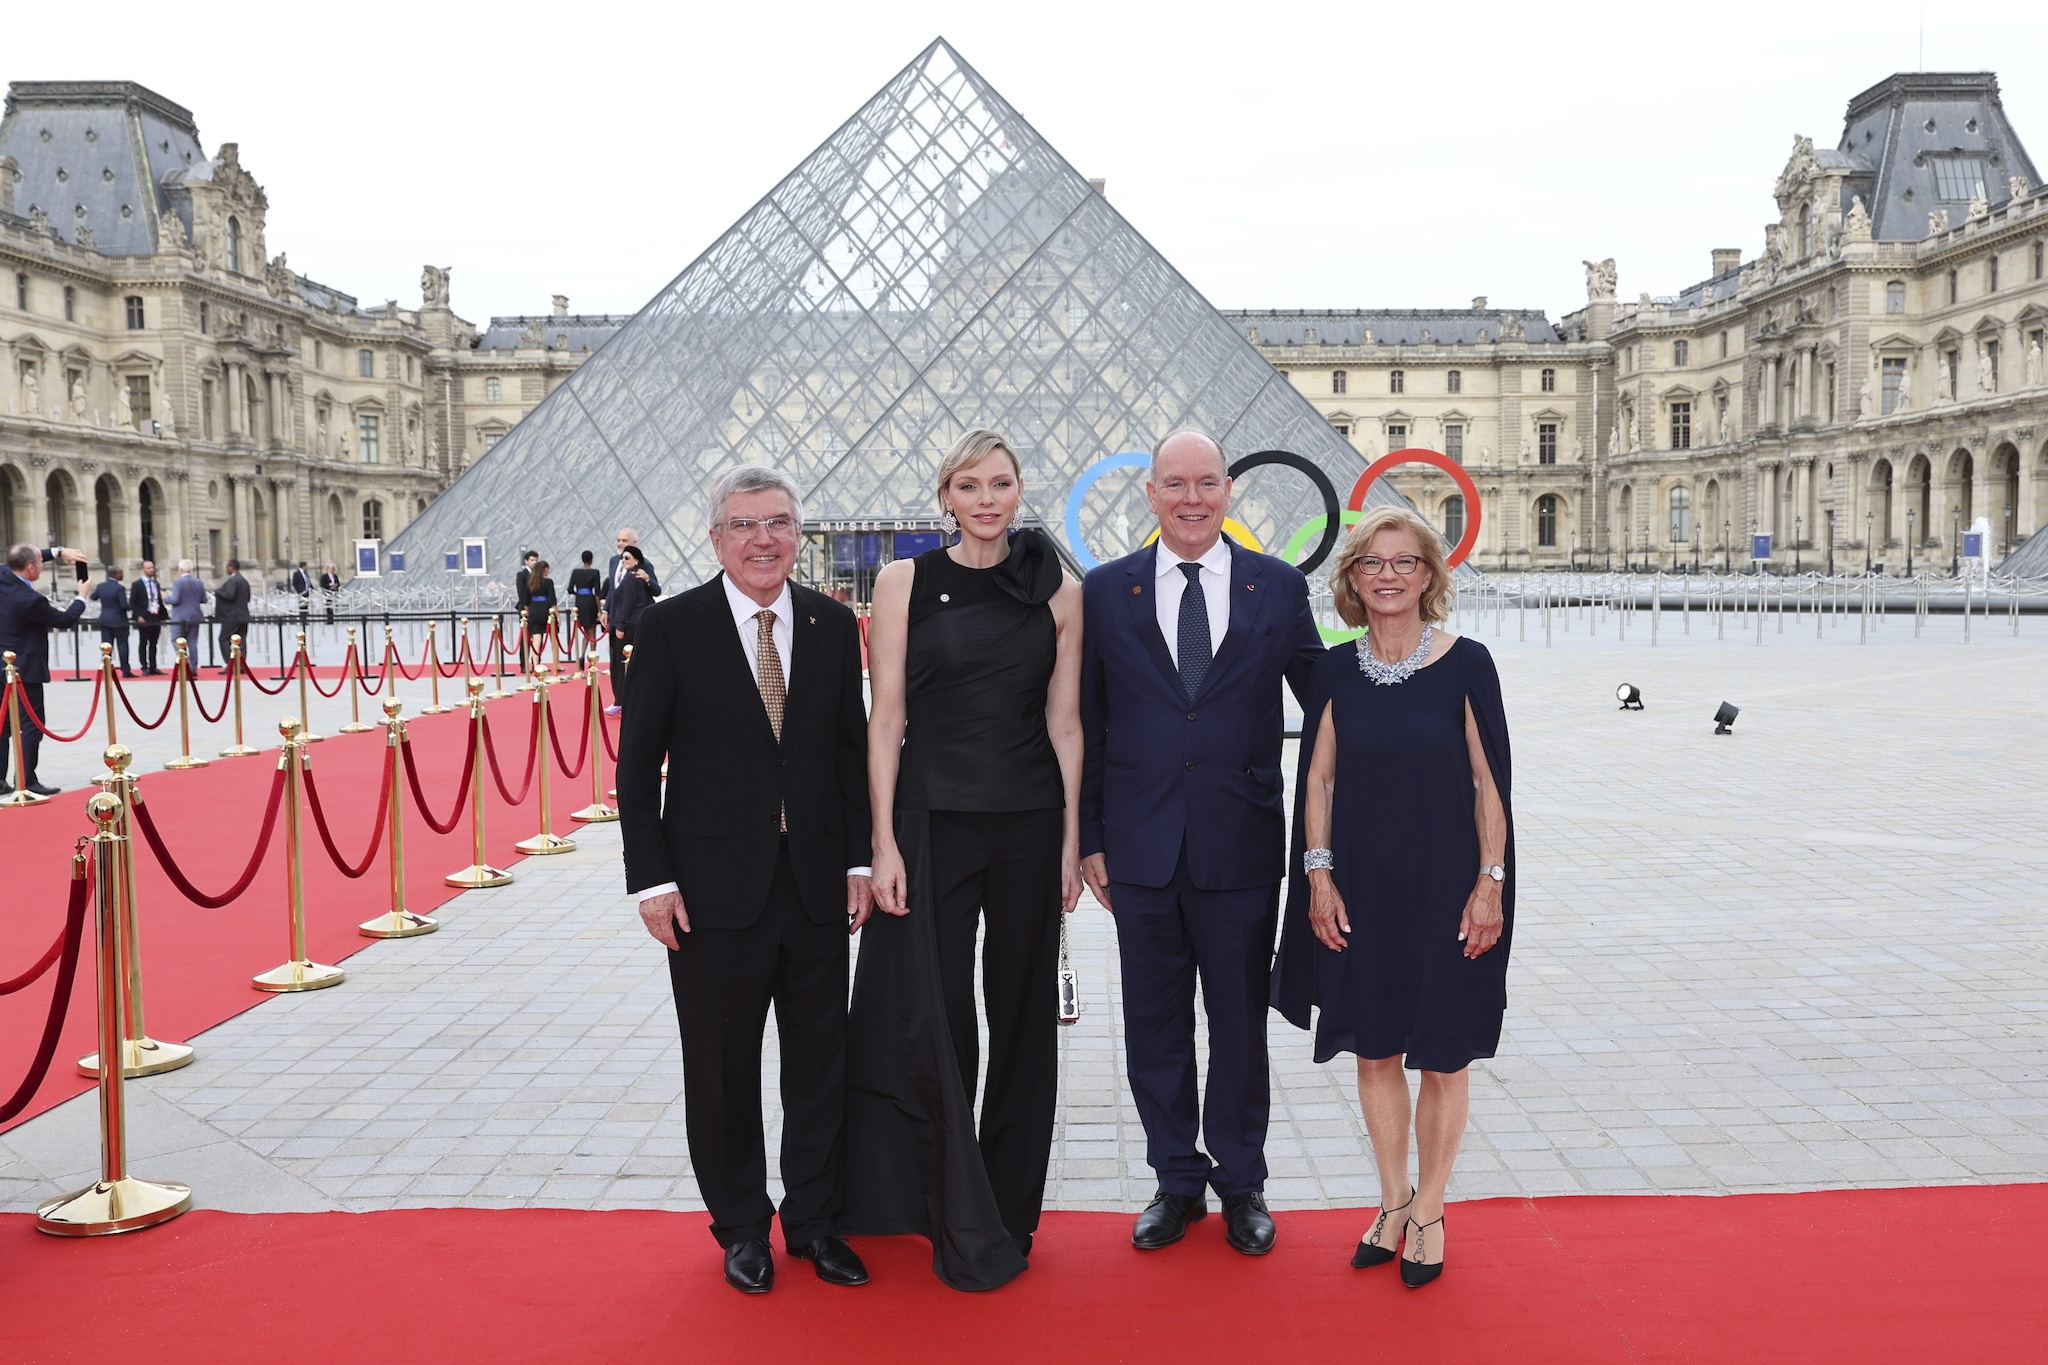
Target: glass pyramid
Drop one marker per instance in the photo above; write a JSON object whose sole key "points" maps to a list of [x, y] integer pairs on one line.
{"points": [[934, 266]]}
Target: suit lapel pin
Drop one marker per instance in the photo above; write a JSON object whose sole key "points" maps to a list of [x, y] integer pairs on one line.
{"points": [[1250, 586], [1135, 591], [814, 620]]}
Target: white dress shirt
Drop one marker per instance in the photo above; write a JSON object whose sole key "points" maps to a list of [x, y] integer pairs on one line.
{"points": [[745, 610], [1170, 585]]}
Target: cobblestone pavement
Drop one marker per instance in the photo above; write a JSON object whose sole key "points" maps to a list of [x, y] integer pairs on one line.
{"points": [[1809, 954]]}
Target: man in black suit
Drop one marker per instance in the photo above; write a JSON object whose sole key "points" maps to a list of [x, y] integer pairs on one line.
{"points": [[26, 618], [302, 584], [231, 611], [754, 868], [147, 605], [527, 559], [330, 584], [616, 570]]}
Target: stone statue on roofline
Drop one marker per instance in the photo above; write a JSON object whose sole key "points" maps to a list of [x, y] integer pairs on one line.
{"points": [[1600, 279], [1856, 227], [433, 286]]}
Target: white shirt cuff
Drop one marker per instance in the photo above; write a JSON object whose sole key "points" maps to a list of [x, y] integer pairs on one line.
{"points": [[860, 872], [664, 889]]}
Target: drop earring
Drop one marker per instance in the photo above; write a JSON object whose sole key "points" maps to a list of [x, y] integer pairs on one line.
{"points": [[949, 523]]}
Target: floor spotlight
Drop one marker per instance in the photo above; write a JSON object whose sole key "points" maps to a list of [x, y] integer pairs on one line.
{"points": [[1725, 717], [1630, 697]]}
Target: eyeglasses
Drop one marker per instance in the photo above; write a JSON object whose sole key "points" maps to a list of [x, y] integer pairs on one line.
{"points": [[779, 527], [1403, 565]]}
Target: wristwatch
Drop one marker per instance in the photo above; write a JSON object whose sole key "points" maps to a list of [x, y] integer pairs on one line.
{"points": [[1495, 871]]}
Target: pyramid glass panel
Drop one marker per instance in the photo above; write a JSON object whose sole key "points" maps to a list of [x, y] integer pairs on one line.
{"points": [[934, 266]]}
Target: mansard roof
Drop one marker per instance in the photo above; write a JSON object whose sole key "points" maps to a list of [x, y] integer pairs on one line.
{"points": [[584, 331], [1921, 141], [78, 146], [1392, 326]]}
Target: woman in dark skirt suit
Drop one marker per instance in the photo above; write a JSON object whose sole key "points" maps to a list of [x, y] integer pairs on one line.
{"points": [[539, 599], [974, 766], [1401, 902]]}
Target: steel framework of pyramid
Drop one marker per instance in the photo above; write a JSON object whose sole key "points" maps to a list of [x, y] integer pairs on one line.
{"points": [[934, 266]]}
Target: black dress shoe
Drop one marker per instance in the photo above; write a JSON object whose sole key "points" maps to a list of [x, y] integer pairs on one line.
{"points": [[6, 787], [750, 1266], [1416, 1272], [40, 788], [833, 1259], [1165, 1220], [1024, 1246], [1246, 1224]]}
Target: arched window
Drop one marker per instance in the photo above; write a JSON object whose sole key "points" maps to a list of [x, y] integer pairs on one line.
{"points": [[1895, 296], [494, 391], [1454, 382], [1681, 515], [373, 520], [1546, 521], [1454, 518], [234, 244], [1549, 380]]}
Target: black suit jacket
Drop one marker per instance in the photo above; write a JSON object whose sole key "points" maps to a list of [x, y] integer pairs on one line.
{"points": [[138, 603], [231, 601], [695, 704], [26, 619], [612, 581]]}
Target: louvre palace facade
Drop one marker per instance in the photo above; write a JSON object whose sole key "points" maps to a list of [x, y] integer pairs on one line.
{"points": [[1869, 378]]}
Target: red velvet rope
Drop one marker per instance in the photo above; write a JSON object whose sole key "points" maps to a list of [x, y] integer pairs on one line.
{"points": [[555, 740], [341, 864], [532, 749], [257, 683], [60, 998], [34, 974], [226, 694], [419, 799], [383, 672], [604, 730], [147, 825], [98, 686], [409, 677], [170, 700], [347, 663], [454, 669]]}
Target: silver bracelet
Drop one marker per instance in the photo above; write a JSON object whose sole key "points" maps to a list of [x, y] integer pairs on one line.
{"points": [[1318, 860]]}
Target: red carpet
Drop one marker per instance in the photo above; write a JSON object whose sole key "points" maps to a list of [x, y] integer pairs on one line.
{"points": [[197, 962], [1850, 1276]]}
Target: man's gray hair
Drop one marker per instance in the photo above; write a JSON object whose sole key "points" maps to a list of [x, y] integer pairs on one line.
{"points": [[1189, 430], [184, 566], [19, 557], [751, 478]]}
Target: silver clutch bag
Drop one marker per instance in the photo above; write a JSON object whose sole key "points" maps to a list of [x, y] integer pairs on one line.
{"points": [[1070, 985]]}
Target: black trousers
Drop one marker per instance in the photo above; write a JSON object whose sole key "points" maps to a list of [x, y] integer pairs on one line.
{"points": [[145, 646], [228, 631], [620, 678], [725, 980], [117, 636], [31, 738], [1001, 871]]}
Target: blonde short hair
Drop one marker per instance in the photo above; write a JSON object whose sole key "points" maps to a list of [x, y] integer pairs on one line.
{"points": [[1436, 598], [969, 451]]}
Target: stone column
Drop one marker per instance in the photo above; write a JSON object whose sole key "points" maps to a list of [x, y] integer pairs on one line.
{"points": [[2024, 521], [241, 525]]}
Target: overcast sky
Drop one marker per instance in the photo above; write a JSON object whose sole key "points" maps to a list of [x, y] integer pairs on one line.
{"points": [[1281, 156]]}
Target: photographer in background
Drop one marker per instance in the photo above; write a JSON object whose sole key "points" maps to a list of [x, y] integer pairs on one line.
{"points": [[26, 618]]}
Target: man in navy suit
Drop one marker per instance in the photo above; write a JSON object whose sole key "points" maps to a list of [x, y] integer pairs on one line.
{"points": [[1183, 829], [26, 617]]}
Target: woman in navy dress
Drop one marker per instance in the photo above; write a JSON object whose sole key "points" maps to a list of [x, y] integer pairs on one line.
{"points": [[1401, 903]]}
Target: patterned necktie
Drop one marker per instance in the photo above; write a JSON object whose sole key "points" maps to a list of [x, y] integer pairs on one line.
{"points": [[1194, 650], [774, 695]]}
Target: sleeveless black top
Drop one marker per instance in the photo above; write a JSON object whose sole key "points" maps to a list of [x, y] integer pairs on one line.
{"points": [[977, 662]]}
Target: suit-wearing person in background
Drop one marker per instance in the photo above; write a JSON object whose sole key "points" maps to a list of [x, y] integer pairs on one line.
{"points": [[330, 584], [527, 560], [302, 584], [974, 773], [538, 600], [615, 571], [231, 610], [149, 610], [630, 599], [113, 618], [188, 609], [26, 619], [753, 866], [584, 585], [1183, 830], [1399, 928]]}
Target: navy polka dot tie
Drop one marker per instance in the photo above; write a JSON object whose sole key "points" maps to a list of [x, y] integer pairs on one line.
{"points": [[1194, 651]]}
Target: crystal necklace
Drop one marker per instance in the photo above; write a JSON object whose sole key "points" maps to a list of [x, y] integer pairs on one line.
{"points": [[1386, 675]]}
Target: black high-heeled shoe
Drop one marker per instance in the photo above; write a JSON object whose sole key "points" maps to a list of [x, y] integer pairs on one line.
{"points": [[1370, 1253], [1415, 1272]]}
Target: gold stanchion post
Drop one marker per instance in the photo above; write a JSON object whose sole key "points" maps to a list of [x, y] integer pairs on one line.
{"points": [[545, 842], [598, 811], [391, 668], [479, 872], [301, 973], [108, 699], [434, 707], [237, 749], [182, 679], [397, 922], [117, 1201], [21, 795], [306, 736], [529, 654], [497, 662], [352, 669], [141, 1055]]}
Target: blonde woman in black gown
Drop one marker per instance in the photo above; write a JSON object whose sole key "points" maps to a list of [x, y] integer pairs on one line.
{"points": [[1401, 909], [974, 766]]}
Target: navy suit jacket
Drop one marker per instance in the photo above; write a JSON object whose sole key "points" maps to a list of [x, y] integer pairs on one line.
{"points": [[26, 618], [612, 580], [1161, 772]]}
